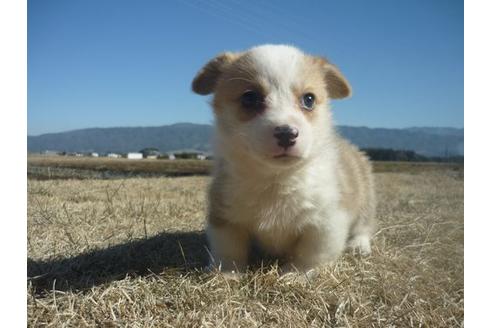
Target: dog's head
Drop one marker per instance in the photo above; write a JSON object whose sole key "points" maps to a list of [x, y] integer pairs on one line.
{"points": [[270, 102]]}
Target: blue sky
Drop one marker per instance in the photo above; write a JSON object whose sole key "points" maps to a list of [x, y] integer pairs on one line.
{"points": [[102, 63]]}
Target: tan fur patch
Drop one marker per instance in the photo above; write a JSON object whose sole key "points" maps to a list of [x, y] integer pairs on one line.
{"points": [[237, 78], [338, 87], [206, 79], [356, 179], [311, 80]]}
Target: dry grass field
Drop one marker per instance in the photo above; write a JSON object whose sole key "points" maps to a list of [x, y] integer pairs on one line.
{"points": [[62, 167], [129, 253], [56, 167]]}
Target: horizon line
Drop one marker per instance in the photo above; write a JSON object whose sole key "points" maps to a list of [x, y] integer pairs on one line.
{"points": [[211, 124]]}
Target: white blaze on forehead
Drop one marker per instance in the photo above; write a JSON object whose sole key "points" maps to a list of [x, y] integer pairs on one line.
{"points": [[279, 64]]}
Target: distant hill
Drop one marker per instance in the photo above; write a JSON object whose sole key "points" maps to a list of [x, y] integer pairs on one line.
{"points": [[125, 139], [426, 141]]}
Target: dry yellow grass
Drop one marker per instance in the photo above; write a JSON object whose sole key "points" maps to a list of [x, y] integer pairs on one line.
{"points": [[129, 252]]}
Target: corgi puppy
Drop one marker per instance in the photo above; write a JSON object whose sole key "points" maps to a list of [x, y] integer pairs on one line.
{"points": [[282, 178]]}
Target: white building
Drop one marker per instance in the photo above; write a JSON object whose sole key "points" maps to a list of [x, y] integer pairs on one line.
{"points": [[94, 155], [134, 155], [114, 155], [51, 152], [172, 157], [201, 157]]}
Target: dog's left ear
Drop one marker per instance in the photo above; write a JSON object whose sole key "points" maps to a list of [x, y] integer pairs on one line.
{"points": [[337, 85], [206, 79]]}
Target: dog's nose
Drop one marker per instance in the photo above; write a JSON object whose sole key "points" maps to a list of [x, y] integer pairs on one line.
{"points": [[286, 135]]}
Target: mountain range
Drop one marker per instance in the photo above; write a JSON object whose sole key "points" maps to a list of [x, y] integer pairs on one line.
{"points": [[427, 141]]}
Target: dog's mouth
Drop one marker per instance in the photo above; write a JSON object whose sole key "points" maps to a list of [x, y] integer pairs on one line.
{"points": [[285, 160], [285, 156]]}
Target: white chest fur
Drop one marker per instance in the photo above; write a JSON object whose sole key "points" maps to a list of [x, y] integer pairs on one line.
{"points": [[275, 211]]}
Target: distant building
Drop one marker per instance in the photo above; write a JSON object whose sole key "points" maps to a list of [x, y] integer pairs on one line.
{"points": [[150, 153], [172, 157], [94, 154], [134, 155], [75, 154], [201, 157], [51, 152], [113, 155]]}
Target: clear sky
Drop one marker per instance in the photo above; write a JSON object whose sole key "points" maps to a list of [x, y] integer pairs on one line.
{"points": [[102, 63]]}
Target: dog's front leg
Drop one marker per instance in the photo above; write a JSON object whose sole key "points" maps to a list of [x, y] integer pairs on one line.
{"points": [[229, 245], [319, 244]]}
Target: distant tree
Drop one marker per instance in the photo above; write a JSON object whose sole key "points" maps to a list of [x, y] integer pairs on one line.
{"points": [[186, 155], [386, 154], [150, 151]]}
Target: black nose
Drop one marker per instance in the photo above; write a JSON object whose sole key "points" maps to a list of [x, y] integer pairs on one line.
{"points": [[286, 135]]}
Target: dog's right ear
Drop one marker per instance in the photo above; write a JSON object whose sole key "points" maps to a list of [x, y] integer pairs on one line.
{"points": [[206, 79], [336, 84]]}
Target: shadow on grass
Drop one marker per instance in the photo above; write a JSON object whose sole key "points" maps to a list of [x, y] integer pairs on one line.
{"points": [[180, 250]]}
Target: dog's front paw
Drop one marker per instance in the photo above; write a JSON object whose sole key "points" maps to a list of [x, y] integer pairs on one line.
{"points": [[360, 244]]}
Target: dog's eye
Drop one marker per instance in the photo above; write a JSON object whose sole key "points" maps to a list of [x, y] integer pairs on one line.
{"points": [[252, 100], [307, 101]]}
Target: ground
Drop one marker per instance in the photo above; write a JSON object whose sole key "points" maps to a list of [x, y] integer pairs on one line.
{"points": [[130, 252]]}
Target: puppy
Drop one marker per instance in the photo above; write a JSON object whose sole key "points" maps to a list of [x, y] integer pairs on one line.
{"points": [[282, 176]]}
